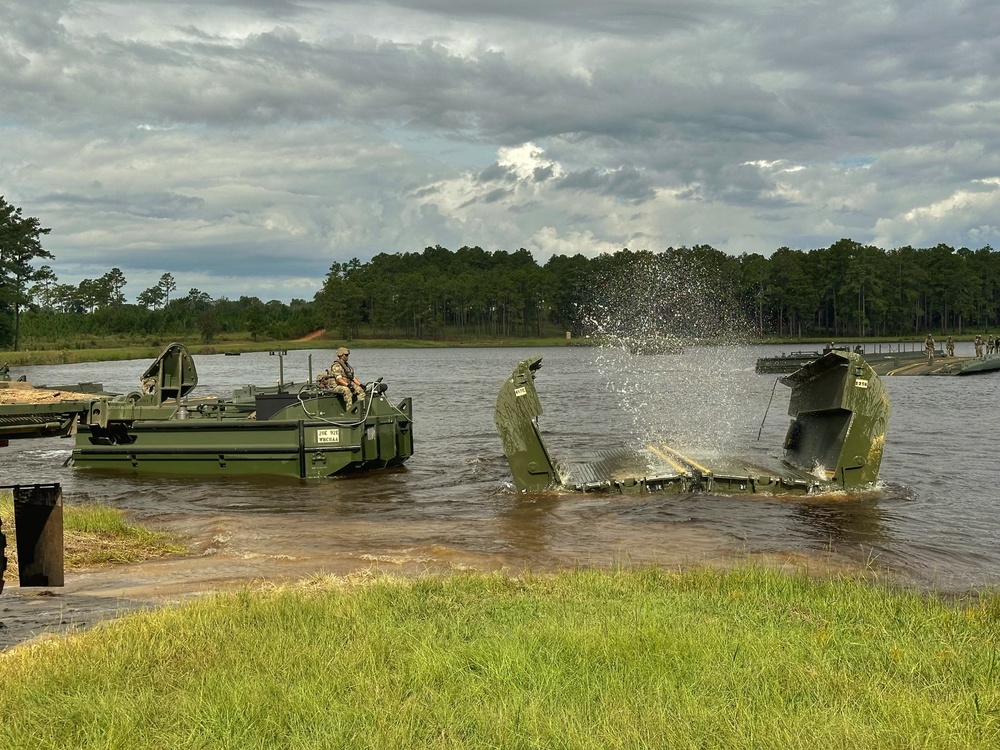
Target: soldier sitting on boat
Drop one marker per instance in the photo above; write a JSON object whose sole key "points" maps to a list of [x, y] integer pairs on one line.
{"points": [[340, 379]]}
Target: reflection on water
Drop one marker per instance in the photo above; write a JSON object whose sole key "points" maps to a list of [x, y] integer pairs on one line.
{"points": [[933, 523]]}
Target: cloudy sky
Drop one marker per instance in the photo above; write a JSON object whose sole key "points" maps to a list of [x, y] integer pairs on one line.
{"points": [[245, 145]]}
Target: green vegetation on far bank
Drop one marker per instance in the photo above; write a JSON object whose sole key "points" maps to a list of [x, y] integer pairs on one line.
{"points": [[95, 535], [749, 658]]}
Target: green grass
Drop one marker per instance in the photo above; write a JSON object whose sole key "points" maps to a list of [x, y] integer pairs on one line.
{"points": [[95, 535], [749, 658]]}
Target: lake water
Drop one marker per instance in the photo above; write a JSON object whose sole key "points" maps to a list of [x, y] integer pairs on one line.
{"points": [[934, 523]]}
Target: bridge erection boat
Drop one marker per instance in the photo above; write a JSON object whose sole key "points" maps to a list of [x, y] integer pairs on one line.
{"points": [[286, 430], [298, 431], [840, 413]]}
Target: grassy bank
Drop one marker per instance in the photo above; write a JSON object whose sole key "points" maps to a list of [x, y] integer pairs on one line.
{"points": [[748, 658], [94, 535]]}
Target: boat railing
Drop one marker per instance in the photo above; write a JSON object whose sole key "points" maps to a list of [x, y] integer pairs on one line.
{"points": [[878, 347]]}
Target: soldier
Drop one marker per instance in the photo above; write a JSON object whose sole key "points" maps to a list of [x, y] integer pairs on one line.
{"points": [[340, 379], [950, 346], [979, 345], [929, 348]]}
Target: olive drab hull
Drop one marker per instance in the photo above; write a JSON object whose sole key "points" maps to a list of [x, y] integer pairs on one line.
{"points": [[310, 441], [840, 413], [293, 431]]}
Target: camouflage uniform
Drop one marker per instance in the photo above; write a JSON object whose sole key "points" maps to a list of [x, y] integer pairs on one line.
{"points": [[950, 346], [340, 379], [979, 345], [929, 348]]}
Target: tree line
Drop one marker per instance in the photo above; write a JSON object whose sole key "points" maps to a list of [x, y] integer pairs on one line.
{"points": [[845, 290], [35, 308]]}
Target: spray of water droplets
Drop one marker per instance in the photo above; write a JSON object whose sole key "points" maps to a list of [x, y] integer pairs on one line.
{"points": [[671, 336]]}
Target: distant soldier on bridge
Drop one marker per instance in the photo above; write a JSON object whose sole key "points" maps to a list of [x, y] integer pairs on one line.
{"points": [[929, 348], [950, 346], [979, 345]]}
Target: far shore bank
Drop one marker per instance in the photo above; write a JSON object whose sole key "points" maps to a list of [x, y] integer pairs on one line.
{"points": [[50, 354]]}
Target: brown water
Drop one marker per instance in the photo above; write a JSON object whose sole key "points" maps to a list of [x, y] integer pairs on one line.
{"points": [[933, 524]]}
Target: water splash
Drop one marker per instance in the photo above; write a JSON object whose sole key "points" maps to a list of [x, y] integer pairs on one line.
{"points": [[673, 317]]}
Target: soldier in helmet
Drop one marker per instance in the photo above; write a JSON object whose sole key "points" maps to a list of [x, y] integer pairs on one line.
{"points": [[978, 343], [950, 346], [929, 348], [341, 380]]}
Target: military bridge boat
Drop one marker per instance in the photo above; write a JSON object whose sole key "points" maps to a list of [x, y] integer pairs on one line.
{"points": [[287, 430], [840, 413]]}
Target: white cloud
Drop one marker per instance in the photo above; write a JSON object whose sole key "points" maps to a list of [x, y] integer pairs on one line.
{"points": [[955, 214]]}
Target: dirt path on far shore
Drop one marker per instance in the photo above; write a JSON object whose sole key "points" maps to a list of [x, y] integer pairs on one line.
{"points": [[314, 335]]}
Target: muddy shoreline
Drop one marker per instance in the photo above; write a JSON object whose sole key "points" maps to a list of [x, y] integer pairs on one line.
{"points": [[94, 596]]}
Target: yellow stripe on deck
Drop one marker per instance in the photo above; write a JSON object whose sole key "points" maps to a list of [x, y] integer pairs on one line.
{"points": [[906, 367], [680, 457], [676, 466]]}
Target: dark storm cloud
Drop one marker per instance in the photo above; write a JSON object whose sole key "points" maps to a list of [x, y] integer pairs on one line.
{"points": [[742, 185], [278, 76], [496, 173], [628, 185], [146, 205], [541, 174], [624, 17]]}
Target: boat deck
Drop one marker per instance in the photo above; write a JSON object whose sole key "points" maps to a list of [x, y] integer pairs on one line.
{"points": [[28, 412], [658, 468], [890, 363], [940, 365]]}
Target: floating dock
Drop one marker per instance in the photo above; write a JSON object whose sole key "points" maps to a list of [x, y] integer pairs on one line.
{"points": [[887, 359]]}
